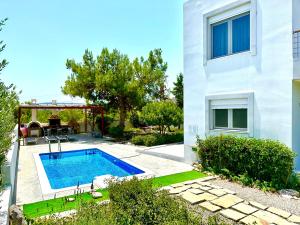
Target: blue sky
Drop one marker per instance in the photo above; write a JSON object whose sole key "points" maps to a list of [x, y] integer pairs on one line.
{"points": [[41, 35]]}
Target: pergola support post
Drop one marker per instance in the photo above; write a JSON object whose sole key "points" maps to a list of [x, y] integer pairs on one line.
{"points": [[102, 123], [85, 121]]}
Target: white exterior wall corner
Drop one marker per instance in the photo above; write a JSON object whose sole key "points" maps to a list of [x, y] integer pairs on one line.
{"points": [[268, 73], [296, 27]]}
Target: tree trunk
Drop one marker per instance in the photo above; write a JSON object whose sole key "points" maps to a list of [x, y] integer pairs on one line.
{"points": [[123, 113]]}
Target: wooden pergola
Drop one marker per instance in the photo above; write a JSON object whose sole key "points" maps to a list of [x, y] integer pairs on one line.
{"points": [[94, 108]]}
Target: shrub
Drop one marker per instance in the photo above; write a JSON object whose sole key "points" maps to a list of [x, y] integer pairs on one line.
{"points": [[116, 132], [138, 140], [248, 158], [136, 202], [151, 140], [130, 132], [157, 139], [133, 202]]}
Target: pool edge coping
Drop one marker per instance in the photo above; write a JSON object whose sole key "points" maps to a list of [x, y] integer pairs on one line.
{"points": [[47, 191]]}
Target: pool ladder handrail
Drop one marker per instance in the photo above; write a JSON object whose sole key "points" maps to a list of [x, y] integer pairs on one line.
{"points": [[49, 143], [58, 146]]}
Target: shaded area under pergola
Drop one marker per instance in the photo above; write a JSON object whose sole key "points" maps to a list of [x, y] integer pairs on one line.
{"points": [[96, 109]]}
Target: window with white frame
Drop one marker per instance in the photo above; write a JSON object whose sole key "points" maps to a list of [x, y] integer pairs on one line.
{"points": [[230, 36], [230, 119], [230, 29], [230, 112]]}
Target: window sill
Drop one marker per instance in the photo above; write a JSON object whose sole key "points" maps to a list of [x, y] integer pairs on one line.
{"points": [[238, 54], [229, 131]]}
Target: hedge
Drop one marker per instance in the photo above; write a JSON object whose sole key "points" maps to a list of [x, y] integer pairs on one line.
{"points": [[157, 139], [259, 159]]}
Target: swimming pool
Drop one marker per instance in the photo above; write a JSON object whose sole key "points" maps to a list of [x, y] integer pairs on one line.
{"points": [[70, 168]]}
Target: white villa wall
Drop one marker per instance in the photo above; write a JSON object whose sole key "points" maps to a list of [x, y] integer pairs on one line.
{"points": [[268, 73], [296, 14]]}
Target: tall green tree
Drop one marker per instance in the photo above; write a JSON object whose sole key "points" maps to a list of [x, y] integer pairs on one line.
{"points": [[3, 62], [178, 90], [8, 104], [162, 114], [113, 79]]}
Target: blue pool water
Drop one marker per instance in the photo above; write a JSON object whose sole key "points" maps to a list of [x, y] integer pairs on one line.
{"points": [[66, 169]]}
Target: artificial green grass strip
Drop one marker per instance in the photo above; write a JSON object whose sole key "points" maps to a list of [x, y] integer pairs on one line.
{"points": [[176, 178], [56, 205]]}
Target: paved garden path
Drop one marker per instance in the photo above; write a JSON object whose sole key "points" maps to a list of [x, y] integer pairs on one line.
{"points": [[230, 204]]}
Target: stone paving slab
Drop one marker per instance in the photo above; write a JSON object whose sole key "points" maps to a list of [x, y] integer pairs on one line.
{"points": [[244, 208], [214, 186], [232, 214], [294, 219], [192, 198], [202, 183], [208, 178], [279, 212], [205, 188], [196, 185], [195, 191], [227, 201], [217, 192], [177, 185], [179, 190], [271, 218], [208, 196], [229, 191], [210, 207], [189, 182], [258, 205], [166, 188], [250, 220], [214, 198]]}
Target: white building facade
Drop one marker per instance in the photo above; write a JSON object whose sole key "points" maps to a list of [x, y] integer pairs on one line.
{"points": [[242, 70]]}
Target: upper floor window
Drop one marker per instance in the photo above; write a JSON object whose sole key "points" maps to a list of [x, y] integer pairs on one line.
{"points": [[230, 36]]}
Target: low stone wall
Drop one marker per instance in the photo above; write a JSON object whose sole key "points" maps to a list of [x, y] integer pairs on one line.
{"points": [[8, 194]]}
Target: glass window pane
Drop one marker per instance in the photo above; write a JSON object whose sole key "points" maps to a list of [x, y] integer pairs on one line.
{"points": [[220, 40], [221, 118], [239, 118], [241, 34]]}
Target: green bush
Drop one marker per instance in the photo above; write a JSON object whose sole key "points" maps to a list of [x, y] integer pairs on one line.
{"points": [[130, 132], [248, 159], [157, 139], [133, 202], [138, 140], [116, 132], [151, 140]]}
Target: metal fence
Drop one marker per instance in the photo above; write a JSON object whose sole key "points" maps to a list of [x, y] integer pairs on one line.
{"points": [[296, 44]]}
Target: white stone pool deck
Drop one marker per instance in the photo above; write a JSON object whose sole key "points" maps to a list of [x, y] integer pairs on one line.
{"points": [[162, 160]]}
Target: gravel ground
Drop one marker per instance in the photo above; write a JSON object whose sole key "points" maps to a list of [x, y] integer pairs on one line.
{"points": [[265, 198]]}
